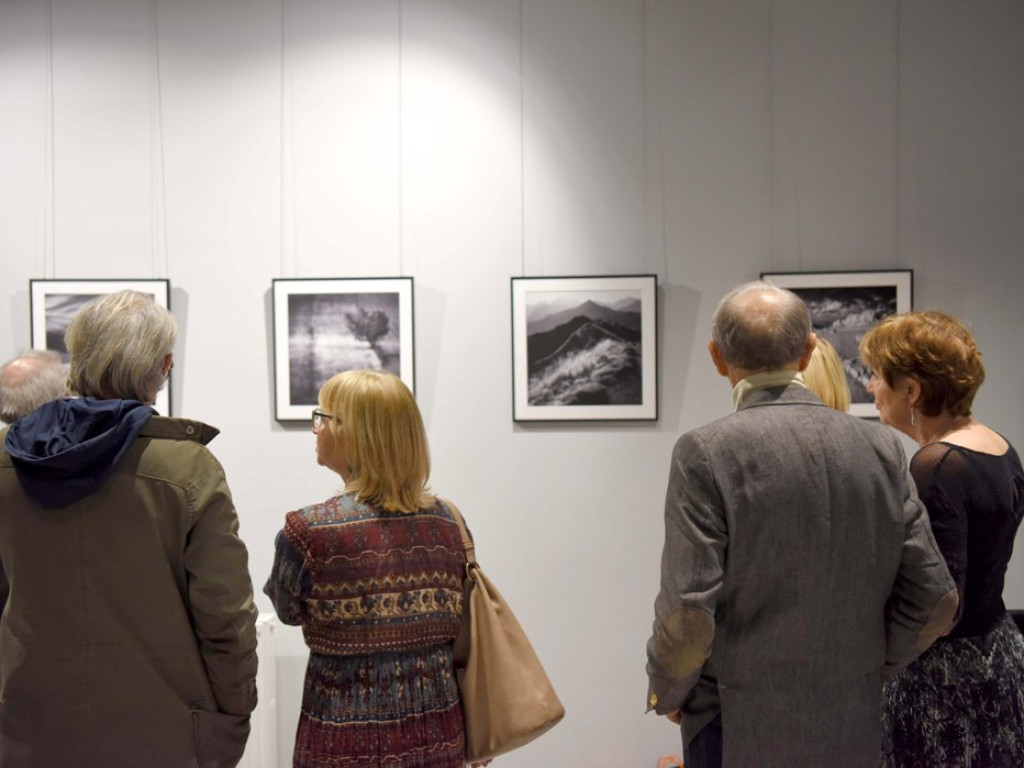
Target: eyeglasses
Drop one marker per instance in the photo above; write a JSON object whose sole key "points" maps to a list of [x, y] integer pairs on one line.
{"points": [[319, 417]]}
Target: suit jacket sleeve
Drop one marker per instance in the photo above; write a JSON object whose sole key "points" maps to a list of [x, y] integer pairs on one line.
{"points": [[692, 567], [220, 593], [923, 602]]}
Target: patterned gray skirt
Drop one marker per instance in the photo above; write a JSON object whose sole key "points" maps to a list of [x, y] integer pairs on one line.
{"points": [[961, 704]]}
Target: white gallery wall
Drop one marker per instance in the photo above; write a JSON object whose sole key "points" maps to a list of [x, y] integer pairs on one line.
{"points": [[463, 142]]}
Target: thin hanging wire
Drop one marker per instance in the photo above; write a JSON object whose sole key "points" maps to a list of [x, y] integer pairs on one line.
{"points": [[522, 140], [899, 134], [793, 158], [288, 212], [776, 252], [652, 112], [284, 34], [49, 183], [773, 239], [401, 164], [158, 175]]}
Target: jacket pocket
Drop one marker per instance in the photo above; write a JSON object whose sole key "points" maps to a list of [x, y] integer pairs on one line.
{"points": [[219, 738]]}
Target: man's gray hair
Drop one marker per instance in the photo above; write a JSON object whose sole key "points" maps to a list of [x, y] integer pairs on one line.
{"points": [[118, 344], [34, 377], [761, 327]]}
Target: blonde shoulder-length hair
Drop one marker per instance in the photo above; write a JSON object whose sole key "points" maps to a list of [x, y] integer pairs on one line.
{"points": [[385, 441], [825, 377]]}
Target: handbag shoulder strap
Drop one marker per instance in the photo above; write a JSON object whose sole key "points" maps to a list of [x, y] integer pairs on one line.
{"points": [[467, 540]]}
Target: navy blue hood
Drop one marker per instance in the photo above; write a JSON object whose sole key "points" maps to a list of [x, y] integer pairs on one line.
{"points": [[66, 449]]}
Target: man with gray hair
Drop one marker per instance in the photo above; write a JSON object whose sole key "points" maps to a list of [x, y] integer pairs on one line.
{"points": [[127, 621], [798, 567], [29, 380]]}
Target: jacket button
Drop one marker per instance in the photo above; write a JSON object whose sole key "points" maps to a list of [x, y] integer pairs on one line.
{"points": [[189, 429], [653, 701]]}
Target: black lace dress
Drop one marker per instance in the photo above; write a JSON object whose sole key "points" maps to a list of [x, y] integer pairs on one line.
{"points": [[962, 702]]}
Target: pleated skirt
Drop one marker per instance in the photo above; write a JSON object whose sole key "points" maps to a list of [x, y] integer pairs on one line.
{"points": [[398, 710], [960, 705]]}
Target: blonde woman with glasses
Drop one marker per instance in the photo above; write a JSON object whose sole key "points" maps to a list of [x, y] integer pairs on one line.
{"points": [[374, 577]]}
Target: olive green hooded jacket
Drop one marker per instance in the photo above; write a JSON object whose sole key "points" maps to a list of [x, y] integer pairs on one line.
{"points": [[127, 636]]}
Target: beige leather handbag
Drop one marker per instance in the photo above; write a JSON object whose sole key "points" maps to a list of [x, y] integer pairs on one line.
{"points": [[507, 699]]}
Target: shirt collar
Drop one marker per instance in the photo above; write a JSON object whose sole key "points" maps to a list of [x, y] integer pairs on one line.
{"points": [[763, 380]]}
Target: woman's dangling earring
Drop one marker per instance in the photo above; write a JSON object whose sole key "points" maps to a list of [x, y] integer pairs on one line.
{"points": [[913, 421]]}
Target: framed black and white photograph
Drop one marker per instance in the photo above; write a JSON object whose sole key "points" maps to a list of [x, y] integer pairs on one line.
{"points": [[52, 304], [325, 326], [584, 348], [844, 305]]}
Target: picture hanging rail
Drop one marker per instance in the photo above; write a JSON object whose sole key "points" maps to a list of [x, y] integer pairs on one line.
{"points": [[52, 304], [584, 348], [325, 326], [844, 305]]}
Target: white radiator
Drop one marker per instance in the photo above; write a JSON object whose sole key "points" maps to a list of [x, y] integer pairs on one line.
{"points": [[261, 749]]}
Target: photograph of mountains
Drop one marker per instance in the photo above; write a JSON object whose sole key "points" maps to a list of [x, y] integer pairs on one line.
{"points": [[584, 347], [843, 316]]}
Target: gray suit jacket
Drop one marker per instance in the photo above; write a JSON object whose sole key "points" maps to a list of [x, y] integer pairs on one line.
{"points": [[799, 565]]}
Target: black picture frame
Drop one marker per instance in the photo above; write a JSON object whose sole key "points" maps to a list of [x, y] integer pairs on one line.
{"points": [[324, 326], [585, 348], [52, 304], [844, 305]]}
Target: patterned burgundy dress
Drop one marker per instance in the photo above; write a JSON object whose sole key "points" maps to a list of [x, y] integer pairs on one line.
{"points": [[379, 598]]}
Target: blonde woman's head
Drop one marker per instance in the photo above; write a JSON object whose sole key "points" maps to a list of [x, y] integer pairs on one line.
{"points": [[825, 377], [375, 417]]}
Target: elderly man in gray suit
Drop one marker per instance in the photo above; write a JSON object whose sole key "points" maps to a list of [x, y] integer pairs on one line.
{"points": [[798, 568]]}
